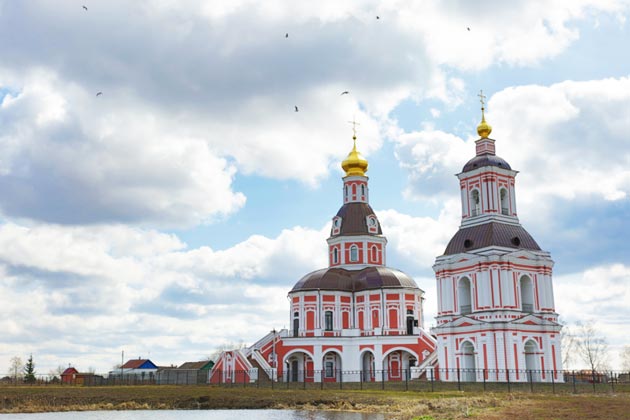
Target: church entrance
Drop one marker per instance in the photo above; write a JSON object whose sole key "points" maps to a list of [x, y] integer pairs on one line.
{"points": [[531, 362], [367, 367], [332, 367], [469, 366]]}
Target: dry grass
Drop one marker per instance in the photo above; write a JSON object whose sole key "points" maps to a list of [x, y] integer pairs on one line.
{"points": [[396, 404]]}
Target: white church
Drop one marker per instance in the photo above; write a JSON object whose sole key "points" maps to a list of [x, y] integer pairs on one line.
{"points": [[359, 320]]}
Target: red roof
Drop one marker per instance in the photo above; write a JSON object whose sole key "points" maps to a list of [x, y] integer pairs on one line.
{"points": [[139, 363], [70, 371], [134, 363]]}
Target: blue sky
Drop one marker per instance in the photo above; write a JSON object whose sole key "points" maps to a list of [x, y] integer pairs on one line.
{"points": [[170, 215]]}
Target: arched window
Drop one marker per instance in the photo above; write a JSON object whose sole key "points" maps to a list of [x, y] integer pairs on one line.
{"points": [[347, 193], [410, 321], [362, 189], [527, 294], [475, 207], [374, 253], [296, 324], [505, 208], [335, 256], [354, 253], [328, 321], [463, 296]]}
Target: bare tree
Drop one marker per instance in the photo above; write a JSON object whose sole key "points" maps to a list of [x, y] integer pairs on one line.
{"points": [[591, 347], [625, 358], [567, 343], [225, 347], [16, 367]]}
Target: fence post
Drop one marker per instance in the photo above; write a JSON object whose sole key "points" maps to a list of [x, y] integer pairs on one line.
{"points": [[553, 381], [361, 379], [593, 377], [407, 379], [245, 378], [507, 373], [574, 388], [340, 379], [612, 382], [531, 381], [459, 384], [304, 378], [322, 381], [431, 379], [484, 379], [383, 379]]}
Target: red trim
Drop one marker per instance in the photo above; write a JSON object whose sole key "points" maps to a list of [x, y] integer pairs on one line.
{"points": [[492, 287], [516, 361], [536, 290], [553, 355]]}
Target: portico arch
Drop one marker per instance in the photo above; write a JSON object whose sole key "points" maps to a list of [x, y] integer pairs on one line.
{"points": [[332, 366], [468, 362], [368, 366], [531, 360], [397, 362]]}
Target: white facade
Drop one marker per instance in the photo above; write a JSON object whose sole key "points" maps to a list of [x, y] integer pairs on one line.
{"points": [[496, 316]]}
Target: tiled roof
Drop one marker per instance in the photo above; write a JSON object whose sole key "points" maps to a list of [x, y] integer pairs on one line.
{"points": [[195, 365], [354, 280], [135, 363], [489, 234], [353, 219]]}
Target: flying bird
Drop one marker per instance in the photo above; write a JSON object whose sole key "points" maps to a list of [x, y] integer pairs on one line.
{"points": [[84, 7], [345, 92], [468, 29], [378, 17], [286, 35], [296, 108], [99, 93]]}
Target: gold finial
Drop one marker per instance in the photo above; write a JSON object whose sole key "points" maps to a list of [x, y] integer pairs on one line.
{"points": [[483, 129], [354, 164]]}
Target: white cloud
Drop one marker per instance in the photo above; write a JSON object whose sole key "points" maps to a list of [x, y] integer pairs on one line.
{"points": [[599, 295], [193, 93], [418, 240], [102, 288]]}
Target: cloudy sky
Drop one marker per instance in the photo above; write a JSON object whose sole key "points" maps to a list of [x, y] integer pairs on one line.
{"points": [[171, 214]]}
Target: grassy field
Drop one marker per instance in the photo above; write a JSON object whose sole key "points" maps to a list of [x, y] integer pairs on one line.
{"points": [[396, 404]]}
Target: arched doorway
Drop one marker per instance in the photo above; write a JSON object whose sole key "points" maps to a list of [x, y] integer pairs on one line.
{"points": [[331, 367], [464, 296], [531, 361], [367, 367], [469, 365], [527, 294], [298, 367], [397, 364]]}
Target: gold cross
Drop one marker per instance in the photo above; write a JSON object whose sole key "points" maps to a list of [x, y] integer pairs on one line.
{"points": [[354, 127], [481, 98]]}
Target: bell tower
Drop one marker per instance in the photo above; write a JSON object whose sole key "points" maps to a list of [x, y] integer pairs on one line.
{"points": [[496, 312], [356, 240]]}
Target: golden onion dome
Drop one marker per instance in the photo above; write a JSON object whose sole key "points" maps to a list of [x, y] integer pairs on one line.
{"points": [[484, 129], [355, 164]]}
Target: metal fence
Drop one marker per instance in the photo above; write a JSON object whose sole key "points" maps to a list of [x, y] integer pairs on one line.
{"points": [[431, 380]]}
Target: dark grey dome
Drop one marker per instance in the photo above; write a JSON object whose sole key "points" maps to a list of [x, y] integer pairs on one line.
{"points": [[489, 234], [485, 160], [354, 280], [354, 220]]}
